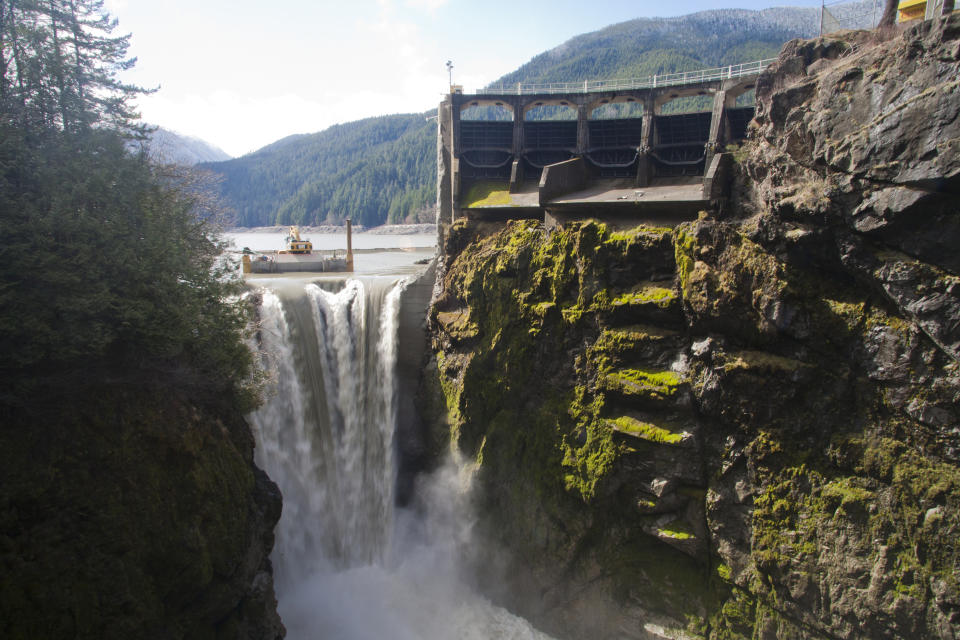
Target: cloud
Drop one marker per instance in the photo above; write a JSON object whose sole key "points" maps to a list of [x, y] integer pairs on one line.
{"points": [[428, 5], [234, 122], [114, 7]]}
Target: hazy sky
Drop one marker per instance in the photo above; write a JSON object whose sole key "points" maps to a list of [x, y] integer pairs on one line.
{"points": [[244, 73]]}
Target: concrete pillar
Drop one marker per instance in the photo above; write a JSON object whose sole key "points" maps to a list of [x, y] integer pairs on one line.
{"points": [[455, 188], [583, 128], [717, 126], [519, 111], [349, 246], [516, 176], [445, 190], [644, 161], [456, 107]]}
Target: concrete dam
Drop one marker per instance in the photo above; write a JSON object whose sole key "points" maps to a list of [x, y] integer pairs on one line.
{"points": [[552, 152]]}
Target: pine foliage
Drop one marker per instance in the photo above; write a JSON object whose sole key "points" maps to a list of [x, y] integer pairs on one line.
{"points": [[110, 266]]}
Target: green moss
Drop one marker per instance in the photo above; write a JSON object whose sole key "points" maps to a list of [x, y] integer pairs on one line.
{"points": [[638, 382], [850, 312], [684, 246], [759, 361], [457, 324], [487, 194], [641, 232], [846, 492], [646, 431], [677, 530], [877, 317], [591, 462], [660, 296], [736, 619], [724, 571], [628, 338], [739, 152], [451, 393]]}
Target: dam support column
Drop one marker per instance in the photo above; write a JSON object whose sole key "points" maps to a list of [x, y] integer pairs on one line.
{"points": [[644, 161], [349, 246], [583, 129], [446, 169], [717, 136], [516, 169]]}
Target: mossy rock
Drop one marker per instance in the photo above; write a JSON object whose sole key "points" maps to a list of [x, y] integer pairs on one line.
{"points": [[645, 387], [659, 432]]}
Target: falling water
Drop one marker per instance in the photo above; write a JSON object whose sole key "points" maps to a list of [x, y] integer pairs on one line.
{"points": [[347, 563]]}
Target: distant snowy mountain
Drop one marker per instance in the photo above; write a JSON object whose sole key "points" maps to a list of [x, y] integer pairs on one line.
{"points": [[174, 148]]}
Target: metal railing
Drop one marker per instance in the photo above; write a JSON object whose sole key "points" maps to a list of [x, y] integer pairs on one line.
{"points": [[650, 82]]}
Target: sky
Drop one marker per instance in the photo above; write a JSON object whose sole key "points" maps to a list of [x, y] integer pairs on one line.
{"points": [[241, 74]]}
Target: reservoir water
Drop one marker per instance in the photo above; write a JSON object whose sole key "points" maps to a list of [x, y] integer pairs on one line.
{"points": [[348, 563]]}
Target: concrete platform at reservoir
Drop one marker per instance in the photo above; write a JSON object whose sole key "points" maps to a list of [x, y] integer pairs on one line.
{"points": [[275, 262], [672, 200], [625, 193]]}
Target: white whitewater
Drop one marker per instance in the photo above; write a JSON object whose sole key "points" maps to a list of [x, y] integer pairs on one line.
{"points": [[348, 565]]}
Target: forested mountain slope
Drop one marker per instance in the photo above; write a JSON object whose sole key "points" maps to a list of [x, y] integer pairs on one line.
{"points": [[383, 169], [647, 46], [371, 170]]}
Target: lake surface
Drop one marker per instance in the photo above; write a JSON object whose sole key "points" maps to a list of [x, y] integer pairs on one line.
{"points": [[374, 254], [259, 241]]}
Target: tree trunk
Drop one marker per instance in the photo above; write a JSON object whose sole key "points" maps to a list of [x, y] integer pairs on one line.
{"points": [[889, 14], [947, 7], [3, 58], [59, 66]]}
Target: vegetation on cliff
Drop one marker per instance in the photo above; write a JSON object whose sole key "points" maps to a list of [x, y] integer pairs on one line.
{"points": [[560, 378]]}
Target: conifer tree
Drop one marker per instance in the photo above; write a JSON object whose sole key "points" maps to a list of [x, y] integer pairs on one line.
{"points": [[60, 66], [110, 266], [889, 16]]}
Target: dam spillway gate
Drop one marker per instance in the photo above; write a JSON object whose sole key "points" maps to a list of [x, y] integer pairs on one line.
{"points": [[553, 150]]}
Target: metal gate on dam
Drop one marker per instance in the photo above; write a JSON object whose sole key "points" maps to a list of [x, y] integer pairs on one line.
{"points": [[629, 148]]}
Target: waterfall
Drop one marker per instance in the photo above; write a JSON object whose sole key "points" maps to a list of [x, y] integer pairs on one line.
{"points": [[326, 434], [347, 563]]}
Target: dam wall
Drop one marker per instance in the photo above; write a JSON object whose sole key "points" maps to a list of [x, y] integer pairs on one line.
{"points": [[411, 356], [554, 151]]}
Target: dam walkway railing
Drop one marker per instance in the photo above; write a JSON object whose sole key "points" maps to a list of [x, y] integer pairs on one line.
{"points": [[650, 82]]}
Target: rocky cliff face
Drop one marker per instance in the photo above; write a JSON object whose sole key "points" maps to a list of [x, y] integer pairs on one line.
{"points": [[745, 426], [133, 513]]}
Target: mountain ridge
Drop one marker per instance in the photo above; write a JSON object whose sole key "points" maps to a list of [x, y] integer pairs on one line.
{"points": [[169, 146]]}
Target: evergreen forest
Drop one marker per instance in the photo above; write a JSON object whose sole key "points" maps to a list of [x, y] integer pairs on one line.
{"points": [[110, 265], [374, 171]]}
